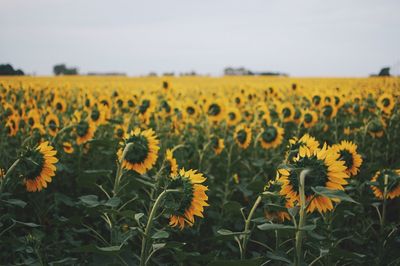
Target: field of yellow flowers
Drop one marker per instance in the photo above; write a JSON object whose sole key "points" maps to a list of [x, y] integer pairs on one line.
{"points": [[199, 171]]}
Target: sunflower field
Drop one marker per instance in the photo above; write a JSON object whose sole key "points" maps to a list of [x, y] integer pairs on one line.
{"points": [[199, 171]]}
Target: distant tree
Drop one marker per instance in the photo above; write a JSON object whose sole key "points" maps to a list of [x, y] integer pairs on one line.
{"points": [[62, 69], [385, 72], [8, 70]]}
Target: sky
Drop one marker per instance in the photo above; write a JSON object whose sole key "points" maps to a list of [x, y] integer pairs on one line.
{"points": [[301, 38]]}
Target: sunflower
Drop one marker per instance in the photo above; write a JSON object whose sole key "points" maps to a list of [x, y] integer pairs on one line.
{"points": [[146, 107], [326, 170], [215, 110], [191, 201], [119, 131], [191, 110], [386, 103], [67, 147], [348, 154], [97, 114], [171, 164], [238, 99], [166, 109], [52, 123], [392, 184], [140, 151], [12, 125], [242, 136], [40, 167], [233, 116], [84, 132], [310, 118], [328, 110], [286, 111], [60, 104], [33, 117], [376, 128], [306, 144], [217, 144], [316, 100], [272, 136]]}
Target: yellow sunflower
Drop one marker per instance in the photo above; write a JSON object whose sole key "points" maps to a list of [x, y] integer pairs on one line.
{"points": [[67, 147], [140, 151], [326, 170], [40, 167], [392, 184], [171, 164], [310, 118], [217, 144], [84, 132], [60, 104], [286, 112], [215, 110], [306, 144], [386, 103], [52, 123], [243, 136], [272, 136], [191, 201], [233, 116], [328, 110], [348, 154]]}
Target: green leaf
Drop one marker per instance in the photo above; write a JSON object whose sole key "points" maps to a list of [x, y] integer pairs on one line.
{"points": [[16, 202], [138, 216], [251, 262], [113, 202], [279, 256], [269, 226], [160, 235], [109, 249], [90, 200], [333, 194], [26, 224], [226, 232]]}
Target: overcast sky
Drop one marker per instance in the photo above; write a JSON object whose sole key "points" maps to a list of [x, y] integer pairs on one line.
{"points": [[302, 38]]}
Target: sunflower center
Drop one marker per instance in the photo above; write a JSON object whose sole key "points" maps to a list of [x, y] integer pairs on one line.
{"points": [[237, 100], [181, 201], [308, 118], [190, 110], [31, 121], [386, 102], [269, 134], [316, 99], [241, 136], [286, 112], [214, 109], [120, 133], [95, 115], [297, 114], [166, 106], [33, 164], [82, 128], [130, 103], [120, 102], [52, 125], [327, 111], [375, 126], [347, 157], [144, 106], [232, 116], [59, 106], [138, 149]]}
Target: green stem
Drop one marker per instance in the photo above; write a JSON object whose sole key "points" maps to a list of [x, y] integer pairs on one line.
{"points": [[303, 214], [146, 237], [246, 228], [7, 175]]}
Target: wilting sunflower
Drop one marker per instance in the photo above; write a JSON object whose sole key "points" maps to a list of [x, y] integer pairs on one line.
{"points": [[171, 164], [306, 144], [39, 166], [52, 123], [386, 103], [243, 136], [271, 136], [286, 111], [215, 110], [217, 144], [310, 118], [67, 147], [348, 154], [326, 170], [190, 201], [392, 183], [376, 128], [275, 204], [140, 151]]}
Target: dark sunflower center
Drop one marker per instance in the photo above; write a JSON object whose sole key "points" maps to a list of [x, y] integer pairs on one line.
{"points": [[286, 112], [52, 125], [120, 132], [82, 128], [87, 103], [232, 116], [308, 118], [166, 107], [31, 121], [104, 102], [347, 157], [95, 115], [337, 100], [241, 136], [120, 102], [297, 114], [144, 106], [33, 164], [386, 102], [138, 149], [316, 99], [214, 109], [237, 100], [327, 111], [269, 134], [190, 110], [181, 201], [59, 106], [131, 103]]}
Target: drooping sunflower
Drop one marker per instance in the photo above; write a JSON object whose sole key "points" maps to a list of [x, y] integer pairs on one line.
{"points": [[171, 164], [326, 170], [217, 144], [386, 103], [392, 183], [310, 118], [272, 136], [306, 144], [140, 150], [348, 154], [243, 136], [39, 166], [215, 110], [52, 123], [190, 202]]}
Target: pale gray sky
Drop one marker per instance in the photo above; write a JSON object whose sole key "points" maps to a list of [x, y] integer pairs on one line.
{"points": [[302, 38]]}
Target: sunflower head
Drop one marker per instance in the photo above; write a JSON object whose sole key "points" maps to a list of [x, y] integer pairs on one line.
{"points": [[170, 163], [67, 147], [301, 146], [190, 201], [38, 167], [389, 179], [348, 154], [386, 103], [271, 136], [243, 136], [140, 150], [217, 144], [310, 118]]}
